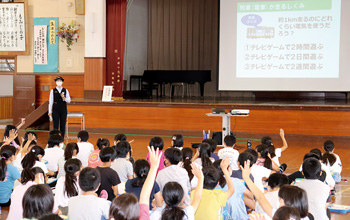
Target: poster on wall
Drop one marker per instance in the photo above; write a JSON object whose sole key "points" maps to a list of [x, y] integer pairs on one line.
{"points": [[40, 45], [12, 27], [49, 40]]}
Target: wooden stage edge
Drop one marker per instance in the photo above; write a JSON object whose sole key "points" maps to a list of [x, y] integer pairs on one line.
{"points": [[300, 118]]}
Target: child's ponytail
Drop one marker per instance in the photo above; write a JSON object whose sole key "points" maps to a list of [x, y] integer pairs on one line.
{"points": [[141, 170], [28, 160], [6, 152], [172, 195], [264, 153], [187, 154], [71, 167]]}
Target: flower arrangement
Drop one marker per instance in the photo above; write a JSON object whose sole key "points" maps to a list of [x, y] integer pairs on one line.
{"points": [[70, 33]]}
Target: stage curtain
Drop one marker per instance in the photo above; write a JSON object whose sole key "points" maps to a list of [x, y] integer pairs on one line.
{"points": [[183, 36], [116, 21]]}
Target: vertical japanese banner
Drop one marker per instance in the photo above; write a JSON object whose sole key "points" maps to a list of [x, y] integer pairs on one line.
{"points": [[52, 45], [40, 45]]}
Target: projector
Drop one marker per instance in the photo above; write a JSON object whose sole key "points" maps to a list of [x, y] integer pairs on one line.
{"points": [[240, 111]]}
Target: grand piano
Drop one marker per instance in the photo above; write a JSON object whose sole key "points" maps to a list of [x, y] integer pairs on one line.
{"points": [[176, 76]]}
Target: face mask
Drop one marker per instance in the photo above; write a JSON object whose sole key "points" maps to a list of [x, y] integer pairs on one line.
{"points": [[59, 83]]}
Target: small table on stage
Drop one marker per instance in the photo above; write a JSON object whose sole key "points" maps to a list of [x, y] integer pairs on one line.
{"points": [[226, 123]]}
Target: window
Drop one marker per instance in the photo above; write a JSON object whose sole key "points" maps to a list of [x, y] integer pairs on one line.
{"points": [[7, 65]]}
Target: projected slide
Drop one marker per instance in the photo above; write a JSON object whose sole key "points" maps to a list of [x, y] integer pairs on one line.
{"points": [[288, 39]]}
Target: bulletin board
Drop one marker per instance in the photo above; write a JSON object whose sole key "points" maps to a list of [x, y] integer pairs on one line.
{"points": [[51, 66], [14, 28]]}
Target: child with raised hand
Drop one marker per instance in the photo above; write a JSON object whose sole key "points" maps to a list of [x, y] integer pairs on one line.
{"points": [[275, 152], [289, 195], [211, 197], [8, 174], [126, 205], [235, 207], [173, 195], [134, 186]]}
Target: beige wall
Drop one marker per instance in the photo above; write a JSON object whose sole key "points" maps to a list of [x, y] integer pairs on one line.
{"points": [[60, 9]]}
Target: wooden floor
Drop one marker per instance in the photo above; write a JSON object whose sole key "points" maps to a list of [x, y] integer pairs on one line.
{"points": [[298, 146]]}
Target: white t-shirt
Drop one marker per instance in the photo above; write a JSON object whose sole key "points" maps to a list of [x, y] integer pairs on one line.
{"points": [[41, 165], [85, 148], [61, 198], [329, 179], [232, 154], [189, 213], [337, 166], [88, 207], [278, 152], [258, 173], [52, 155], [317, 194], [273, 199]]}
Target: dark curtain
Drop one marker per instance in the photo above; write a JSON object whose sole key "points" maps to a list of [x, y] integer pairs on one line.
{"points": [[183, 35], [116, 21]]}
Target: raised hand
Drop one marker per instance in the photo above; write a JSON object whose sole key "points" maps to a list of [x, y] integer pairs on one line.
{"points": [[197, 172], [281, 132], [31, 137], [13, 134], [154, 157], [246, 169], [225, 163]]}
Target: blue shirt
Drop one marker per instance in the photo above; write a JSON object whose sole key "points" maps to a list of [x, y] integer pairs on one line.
{"points": [[6, 186], [137, 190], [235, 207]]}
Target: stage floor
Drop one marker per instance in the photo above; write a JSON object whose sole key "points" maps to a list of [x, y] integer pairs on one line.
{"points": [[224, 102]]}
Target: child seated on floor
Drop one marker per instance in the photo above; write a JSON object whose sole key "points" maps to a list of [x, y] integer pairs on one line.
{"points": [[109, 178], [85, 147], [88, 205], [235, 207], [126, 205], [229, 151], [94, 158], [275, 153], [275, 182], [121, 164], [8, 174], [332, 160], [157, 143], [211, 197], [177, 141], [317, 191], [54, 152]]}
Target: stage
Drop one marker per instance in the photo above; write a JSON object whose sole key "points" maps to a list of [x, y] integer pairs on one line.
{"points": [[168, 116]]}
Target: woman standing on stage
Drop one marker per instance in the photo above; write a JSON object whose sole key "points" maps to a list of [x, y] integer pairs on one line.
{"points": [[59, 97]]}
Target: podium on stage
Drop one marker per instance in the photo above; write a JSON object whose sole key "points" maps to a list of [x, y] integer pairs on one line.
{"points": [[226, 122]]}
